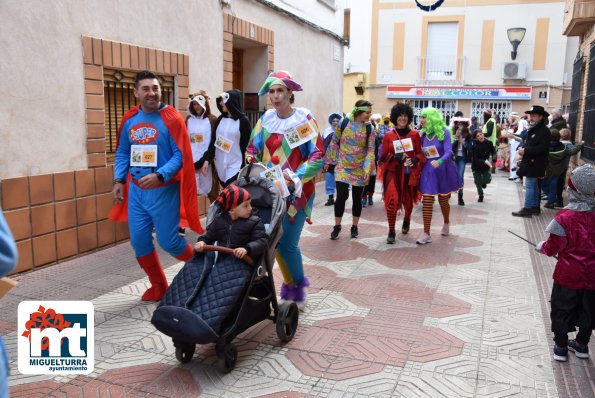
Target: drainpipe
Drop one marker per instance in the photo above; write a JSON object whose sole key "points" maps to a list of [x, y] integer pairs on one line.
{"points": [[547, 101]]}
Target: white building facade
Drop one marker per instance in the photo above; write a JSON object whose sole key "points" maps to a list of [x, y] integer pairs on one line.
{"points": [[67, 68], [458, 56]]}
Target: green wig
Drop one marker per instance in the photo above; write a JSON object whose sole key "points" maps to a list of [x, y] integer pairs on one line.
{"points": [[435, 125]]}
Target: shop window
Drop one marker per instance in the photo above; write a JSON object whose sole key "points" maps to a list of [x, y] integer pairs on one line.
{"points": [[500, 108], [446, 107]]}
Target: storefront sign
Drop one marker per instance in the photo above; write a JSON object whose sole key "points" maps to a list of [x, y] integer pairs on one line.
{"points": [[494, 93]]}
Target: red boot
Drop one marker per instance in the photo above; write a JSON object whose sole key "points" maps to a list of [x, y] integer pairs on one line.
{"points": [[187, 254], [152, 267]]}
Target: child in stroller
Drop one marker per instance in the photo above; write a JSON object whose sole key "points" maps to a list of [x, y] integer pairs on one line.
{"points": [[215, 297], [236, 227]]}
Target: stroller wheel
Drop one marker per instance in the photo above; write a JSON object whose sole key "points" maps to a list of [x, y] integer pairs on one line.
{"points": [[287, 320], [185, 353], [226, 359]]}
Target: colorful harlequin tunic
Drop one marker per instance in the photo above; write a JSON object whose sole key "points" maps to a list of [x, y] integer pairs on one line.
{"points": [[354, 162], [269, 146]]}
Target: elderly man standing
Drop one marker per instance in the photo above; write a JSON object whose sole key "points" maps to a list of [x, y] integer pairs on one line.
{"points": [[558, 122], [535, 158]]}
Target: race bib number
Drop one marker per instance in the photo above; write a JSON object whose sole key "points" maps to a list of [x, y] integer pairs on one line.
{"points": [[223, 144], [430, 152], [196, 138], [275, 175], [297, 135], [143, 155], [404, 145]]}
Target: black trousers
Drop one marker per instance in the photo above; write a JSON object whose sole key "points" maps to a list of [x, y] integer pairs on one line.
{"points": [[343, 195], [370, 188], [570, 308]]}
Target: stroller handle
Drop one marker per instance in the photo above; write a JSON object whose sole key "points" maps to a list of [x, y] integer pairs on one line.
{"points": [[229, 251]]}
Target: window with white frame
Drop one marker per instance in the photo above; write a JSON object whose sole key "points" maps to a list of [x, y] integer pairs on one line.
{"points": [[446, 107], [500, 108], [441, 54]]}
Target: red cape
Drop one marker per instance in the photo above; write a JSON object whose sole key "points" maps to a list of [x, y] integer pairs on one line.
{"points": [[188, 203]]}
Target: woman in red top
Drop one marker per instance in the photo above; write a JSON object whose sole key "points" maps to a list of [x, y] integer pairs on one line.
{"points": [[401, 169]]}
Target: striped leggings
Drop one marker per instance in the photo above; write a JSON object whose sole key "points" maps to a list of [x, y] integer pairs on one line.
{"points": [[428, 203]]}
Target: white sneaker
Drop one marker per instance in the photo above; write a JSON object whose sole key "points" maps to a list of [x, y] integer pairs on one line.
{"points": [[445, 230], [423, 239]]}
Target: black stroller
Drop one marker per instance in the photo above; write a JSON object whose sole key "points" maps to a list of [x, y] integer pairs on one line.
{"points": [[210, 301]]}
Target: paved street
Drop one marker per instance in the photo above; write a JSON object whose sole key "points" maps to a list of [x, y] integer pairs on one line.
{"points": [[464, 316]]}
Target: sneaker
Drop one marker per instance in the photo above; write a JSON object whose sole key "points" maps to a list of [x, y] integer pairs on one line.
{"points": [[405, 228], [543, 196], [445, 230], [391, 238], [354, 232], [535, 211], [423, 239], [560, 353], [182, 231], [335, 233], [480, 198], [330, 202], [581, 351], [524, 212], [549, 205], [364, 202], [461, 202], [559, 206], [370, 201]]}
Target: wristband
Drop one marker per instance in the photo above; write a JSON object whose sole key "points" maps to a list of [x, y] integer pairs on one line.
{"points": [[160, 177], [440, 161], [118, 181]]}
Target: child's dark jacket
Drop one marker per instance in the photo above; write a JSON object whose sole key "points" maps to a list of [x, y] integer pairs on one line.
{"points": [[481, 152], [248, 233], [572, 238]]}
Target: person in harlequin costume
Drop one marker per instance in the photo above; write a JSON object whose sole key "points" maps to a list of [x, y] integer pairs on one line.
{"points": [[300, 162], [401, 171], [232, 130], [154, 183], [439, 176], [352, 151]]}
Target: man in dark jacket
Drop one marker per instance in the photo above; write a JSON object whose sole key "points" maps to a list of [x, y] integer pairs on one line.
{"points": [[482, 152], [237, 228], [535, 159]]}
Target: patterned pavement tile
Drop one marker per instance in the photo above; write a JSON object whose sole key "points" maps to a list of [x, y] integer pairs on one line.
{"points": [[430, 384], [465, 316]]}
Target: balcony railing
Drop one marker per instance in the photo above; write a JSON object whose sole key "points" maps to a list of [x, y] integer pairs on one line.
{"points": [[441, 70], [579, 16]]}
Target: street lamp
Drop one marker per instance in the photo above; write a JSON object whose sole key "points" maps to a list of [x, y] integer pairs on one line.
{"points": [[515, 36]]}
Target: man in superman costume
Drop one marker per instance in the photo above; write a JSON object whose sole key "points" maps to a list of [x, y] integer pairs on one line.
{"points": [[154, 184]]}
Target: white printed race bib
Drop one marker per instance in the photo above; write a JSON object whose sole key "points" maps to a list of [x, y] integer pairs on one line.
{"points": [[430, 152], [404, 145], [297, 135], [196, 138], [275, 175], [223, 144], [143, 155]]}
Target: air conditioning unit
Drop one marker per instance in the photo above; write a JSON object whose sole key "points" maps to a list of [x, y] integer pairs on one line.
{"points": [[514, 70]]}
